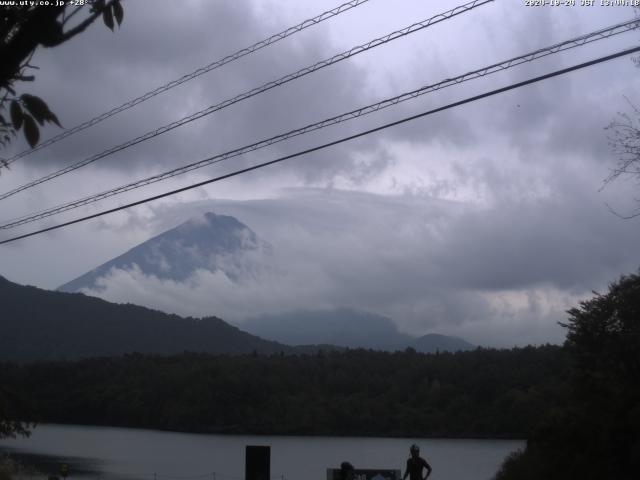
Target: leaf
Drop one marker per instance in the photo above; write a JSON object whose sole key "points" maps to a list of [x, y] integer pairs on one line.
{"points": [[36, 106], [53, 118], [16, 114], [39, 109], [107, 16], [118, 11], [31, 132]]}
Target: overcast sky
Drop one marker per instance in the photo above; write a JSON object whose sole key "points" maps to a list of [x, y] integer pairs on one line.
{"points": [[486, 221]]}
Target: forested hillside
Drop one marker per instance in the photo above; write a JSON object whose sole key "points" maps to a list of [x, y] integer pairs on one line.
{"points": [[482, 393], [39, 324]]}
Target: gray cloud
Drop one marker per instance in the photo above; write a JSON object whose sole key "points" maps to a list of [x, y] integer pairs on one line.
{"points": [[136, 57]]}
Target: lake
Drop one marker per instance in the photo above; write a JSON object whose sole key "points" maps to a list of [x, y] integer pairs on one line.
{"points": [[124, 453]]}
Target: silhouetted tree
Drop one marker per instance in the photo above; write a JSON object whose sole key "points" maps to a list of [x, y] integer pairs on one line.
{"points": [[23, 28], [598, 434]]}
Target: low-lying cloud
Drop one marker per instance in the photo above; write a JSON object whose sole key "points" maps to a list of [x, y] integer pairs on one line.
{"points": [[496, 275]]}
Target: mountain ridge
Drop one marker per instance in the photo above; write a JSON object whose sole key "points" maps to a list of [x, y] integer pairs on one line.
{"points": [[42, 324]]}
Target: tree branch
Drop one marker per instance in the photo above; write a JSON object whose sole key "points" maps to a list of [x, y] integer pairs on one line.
{"points": [[81, 27], [70, 16], [619, 215]]}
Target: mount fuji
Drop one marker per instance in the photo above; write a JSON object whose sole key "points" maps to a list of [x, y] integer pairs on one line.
{"points": [[210, 242]]}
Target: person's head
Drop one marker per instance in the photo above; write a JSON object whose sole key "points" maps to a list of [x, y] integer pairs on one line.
{"points": [[346, 471], [414, 450]]}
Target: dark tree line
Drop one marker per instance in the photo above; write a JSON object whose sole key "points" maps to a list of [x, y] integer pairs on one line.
{"points": [[482, 393]]}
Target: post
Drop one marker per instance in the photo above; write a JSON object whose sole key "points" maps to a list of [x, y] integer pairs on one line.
{"points": [[257, 462]]}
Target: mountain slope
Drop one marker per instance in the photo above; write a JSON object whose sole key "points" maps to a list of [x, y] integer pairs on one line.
{"points": [[211, 242], [38, 324]]}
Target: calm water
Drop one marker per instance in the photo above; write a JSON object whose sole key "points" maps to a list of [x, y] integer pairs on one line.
{"points": [[97, 452]]}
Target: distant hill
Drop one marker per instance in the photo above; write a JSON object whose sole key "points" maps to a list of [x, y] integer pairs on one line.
{"points": [[346, 327], [210, 242], [38, 324]]}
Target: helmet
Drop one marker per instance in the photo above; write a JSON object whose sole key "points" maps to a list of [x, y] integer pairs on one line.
{"points": [[414, 448]]}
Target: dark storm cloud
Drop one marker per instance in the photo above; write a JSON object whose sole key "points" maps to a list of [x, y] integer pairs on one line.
{"points": [[163, 43], [155, 46]]}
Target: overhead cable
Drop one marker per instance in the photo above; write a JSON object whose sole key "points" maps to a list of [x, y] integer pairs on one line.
{"points": [[190, 76], [330, 144], [496, 67], [255, 91]]}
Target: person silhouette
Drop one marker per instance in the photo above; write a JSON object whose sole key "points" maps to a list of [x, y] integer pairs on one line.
{"points": [[415, 464], [346, 471]]}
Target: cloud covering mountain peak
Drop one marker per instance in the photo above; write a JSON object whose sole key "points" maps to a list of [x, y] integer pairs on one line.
{"points": [[210, 242]]}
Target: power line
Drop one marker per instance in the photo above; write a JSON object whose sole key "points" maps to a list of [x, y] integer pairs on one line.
{"points": [[255, 91], [335, 142], [190, 76], [528, 57]]}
